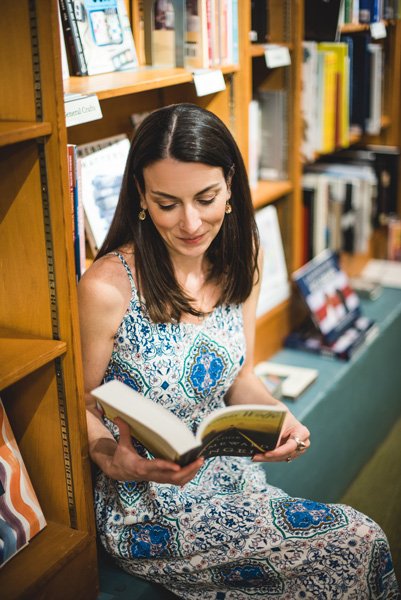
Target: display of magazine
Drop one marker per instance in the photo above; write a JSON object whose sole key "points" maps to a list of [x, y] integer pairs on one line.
{"points": [[102, 165], [336, 326], [98, 36], [21, 516]]}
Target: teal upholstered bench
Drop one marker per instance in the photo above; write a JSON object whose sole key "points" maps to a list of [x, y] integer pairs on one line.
{"points": [[349, 409], [116, 584]]}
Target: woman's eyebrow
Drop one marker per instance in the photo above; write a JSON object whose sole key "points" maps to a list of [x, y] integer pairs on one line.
{"points": [[171, 197]]}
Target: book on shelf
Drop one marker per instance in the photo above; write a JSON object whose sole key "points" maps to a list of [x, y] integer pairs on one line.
{"points": [[335, 325], [322, 19], [164, 23], [373, 122], [273, 162], [294, 380], [327, 101], [259, 33], [309, 100], [240, 430], [98, 36], [275, 286], [78, 220], [394, 239], [21, 516], [101, 165]]}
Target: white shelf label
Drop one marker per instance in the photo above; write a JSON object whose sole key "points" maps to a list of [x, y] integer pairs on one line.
{"points": [[208, 81], [277, 56], [81, 109], [378, 30]]}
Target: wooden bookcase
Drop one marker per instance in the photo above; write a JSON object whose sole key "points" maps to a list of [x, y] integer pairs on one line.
{"points": [[40, 367]]}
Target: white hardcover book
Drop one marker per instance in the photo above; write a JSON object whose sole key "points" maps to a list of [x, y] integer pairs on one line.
{"points": [[373, 125], [309, 104], [275, 287], [254, 142]]}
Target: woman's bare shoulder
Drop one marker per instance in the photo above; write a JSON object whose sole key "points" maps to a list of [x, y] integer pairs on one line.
{"points": [[105, 284]]}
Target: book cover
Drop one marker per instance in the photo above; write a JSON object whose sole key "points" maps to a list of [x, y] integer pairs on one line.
{"points": [[295, 380], [103, 31], [308, 339], [327, 101], [324, 286], [274, 139], [196, 35], [275, 287], [21, 516], [240, 430], [309, 97], [101, 165], [342, 122]]}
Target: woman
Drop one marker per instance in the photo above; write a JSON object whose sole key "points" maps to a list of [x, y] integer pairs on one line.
{"points": [[168, 307]]}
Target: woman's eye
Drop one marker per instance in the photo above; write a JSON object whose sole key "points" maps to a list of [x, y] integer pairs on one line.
{"points": [[166, 206], [206, 201]]}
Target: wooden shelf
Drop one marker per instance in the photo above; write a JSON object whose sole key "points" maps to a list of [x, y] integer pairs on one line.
{"points": [[111, 85], [19, 357], [12, 132], [24, 575], [256, 50], [269, 191], [355, 27]]}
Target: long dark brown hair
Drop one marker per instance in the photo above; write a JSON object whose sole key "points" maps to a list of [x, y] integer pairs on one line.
{"points": [[188, 133]]}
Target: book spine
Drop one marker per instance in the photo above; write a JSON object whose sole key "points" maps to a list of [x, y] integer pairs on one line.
{"points": [[72, 37]]}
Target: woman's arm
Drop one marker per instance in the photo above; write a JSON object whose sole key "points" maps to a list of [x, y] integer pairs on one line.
{"points": [[103, 293], [249, 389]]}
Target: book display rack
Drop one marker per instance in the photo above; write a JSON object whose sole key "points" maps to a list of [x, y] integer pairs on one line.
{"points": [[40, 366]]}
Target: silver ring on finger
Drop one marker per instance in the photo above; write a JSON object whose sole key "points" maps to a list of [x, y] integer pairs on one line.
{"points": [[300, 444]]}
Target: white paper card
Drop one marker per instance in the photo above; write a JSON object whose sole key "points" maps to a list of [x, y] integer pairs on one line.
{"points": [[378, 30], [208, 81], [81, 109], [277, 56]]}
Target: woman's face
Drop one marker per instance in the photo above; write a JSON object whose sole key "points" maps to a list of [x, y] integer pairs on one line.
{"points": [[186, 202]]}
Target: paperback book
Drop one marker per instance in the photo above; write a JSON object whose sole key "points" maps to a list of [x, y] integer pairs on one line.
{"points": [[21, 516], [240, 430], [336, 326], [101, 165]]}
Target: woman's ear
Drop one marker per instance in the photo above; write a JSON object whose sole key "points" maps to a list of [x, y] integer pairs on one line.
{"points": [[141, 195]]}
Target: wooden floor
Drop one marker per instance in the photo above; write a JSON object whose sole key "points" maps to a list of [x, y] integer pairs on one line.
{"points": [[377, 491]]}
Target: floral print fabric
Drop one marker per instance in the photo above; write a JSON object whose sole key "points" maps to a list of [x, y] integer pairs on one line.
{"points": [[227, 534]]}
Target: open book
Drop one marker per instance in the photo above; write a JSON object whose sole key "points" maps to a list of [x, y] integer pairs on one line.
{"points": [[241, 430]]}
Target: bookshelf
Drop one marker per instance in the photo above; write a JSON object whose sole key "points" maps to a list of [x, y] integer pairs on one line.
{"points": [[41, 373]]}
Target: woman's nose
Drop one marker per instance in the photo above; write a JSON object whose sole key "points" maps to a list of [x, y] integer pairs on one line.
{"points": [[191, 220]]}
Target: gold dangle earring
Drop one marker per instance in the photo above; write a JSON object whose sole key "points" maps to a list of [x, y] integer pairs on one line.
{"points": [[142, 214], [228, 208]]}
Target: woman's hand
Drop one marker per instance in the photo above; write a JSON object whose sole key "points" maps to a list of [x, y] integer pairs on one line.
{"points": [[294, 441], [123, 463]]}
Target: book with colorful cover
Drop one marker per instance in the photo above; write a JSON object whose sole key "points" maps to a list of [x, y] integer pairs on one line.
{"points": [[325, 287], [238, 430], [336, 326], [21, 516], [98, 36]]}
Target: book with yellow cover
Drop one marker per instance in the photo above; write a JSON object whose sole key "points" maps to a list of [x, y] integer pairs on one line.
{"points": [[327, 62], [240, 430], [342, 90]]}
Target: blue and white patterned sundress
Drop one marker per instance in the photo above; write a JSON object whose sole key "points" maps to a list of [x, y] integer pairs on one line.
{"points": [[227, 534]]}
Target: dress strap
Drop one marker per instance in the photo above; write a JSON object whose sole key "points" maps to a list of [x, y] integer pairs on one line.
{"points": [[128, 270]]}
